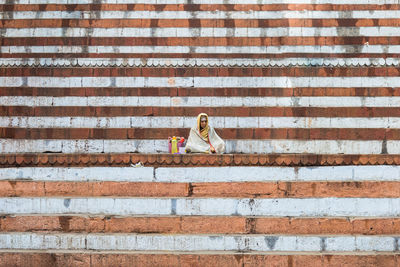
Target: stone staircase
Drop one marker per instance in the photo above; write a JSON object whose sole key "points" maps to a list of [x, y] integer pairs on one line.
{"points": [[305, 93]]}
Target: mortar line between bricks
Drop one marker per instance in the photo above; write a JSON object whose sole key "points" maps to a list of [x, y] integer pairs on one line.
{"points": [[50, 251], [61, 233], [194, 216]]}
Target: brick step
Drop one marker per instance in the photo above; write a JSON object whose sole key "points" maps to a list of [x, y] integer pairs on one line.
{"points": [[91, 259], [265, 207], [243, 111], [206, 82], [206, 32], [199, 41], [200, 243], [348, 189], [188, 92], [200, 7], [218, 23], [224, 133], [201, 225]]}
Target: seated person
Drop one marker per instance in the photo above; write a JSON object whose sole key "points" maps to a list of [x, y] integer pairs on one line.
{"points": [[203, 138]]}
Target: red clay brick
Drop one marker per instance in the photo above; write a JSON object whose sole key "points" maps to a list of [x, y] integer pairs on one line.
{"points": [[218, 189], [202, 225], [353, 260], [225, 133], [231, 260], [194, 111], [143, 225], [215, 224], [196, 7]]}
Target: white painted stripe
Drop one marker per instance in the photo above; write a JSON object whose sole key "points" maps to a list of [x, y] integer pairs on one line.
{"points": [[188, 122], [263, 174], [218, 14], [201, 32], [324, 49], [154, 242], [117, 206], [303, 207], [204, 174], [204, 101], [232, 146], [42, 241], [117, 174], [205, 82], [197, 62], [242, 2]]}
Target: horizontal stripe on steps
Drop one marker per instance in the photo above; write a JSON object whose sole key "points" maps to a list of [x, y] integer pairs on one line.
{"points": [[202, 225], [120, 72], [263, 50], [195, 101], [296, 207], [377, 173], [247, 146], [195, 190], [168, 91], [198, 7], [202, 32], [203, 14], [102, 258], [225, 133], [238, 243], [319, 44], [9, 22], [225, 2], [192, 160], [116, 54], [320, 112], [201, 82], [239, 125]]}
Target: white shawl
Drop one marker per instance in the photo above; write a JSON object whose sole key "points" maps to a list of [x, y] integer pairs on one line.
{"points": [[197, 144]]}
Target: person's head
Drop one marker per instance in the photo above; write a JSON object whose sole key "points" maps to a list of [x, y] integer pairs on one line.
{"points": [[203, 121]]}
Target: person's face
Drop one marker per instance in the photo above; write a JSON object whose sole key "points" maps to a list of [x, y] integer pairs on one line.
{"points": [[203, 122]]}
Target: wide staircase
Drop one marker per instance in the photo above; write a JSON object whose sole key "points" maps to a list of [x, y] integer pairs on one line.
{"points": [[306, 94]]}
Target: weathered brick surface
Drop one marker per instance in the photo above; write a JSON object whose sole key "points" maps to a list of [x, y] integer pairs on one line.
{"points": [[202, 225], [194, 111], [76, 259], [217, 189], [138, 91], [201, 41], [195, 7], [298, 190], [13, 188], [37, 189], [225, 133], [44, 259]]}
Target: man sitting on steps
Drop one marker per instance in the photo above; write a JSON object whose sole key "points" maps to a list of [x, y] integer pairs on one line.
{"points": [[203, 138]]}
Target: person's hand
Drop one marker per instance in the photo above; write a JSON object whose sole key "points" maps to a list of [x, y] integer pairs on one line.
{"points": [[212, 150]]}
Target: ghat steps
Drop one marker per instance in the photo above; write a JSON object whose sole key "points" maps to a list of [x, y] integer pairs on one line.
{"points": [[305, 93]]}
